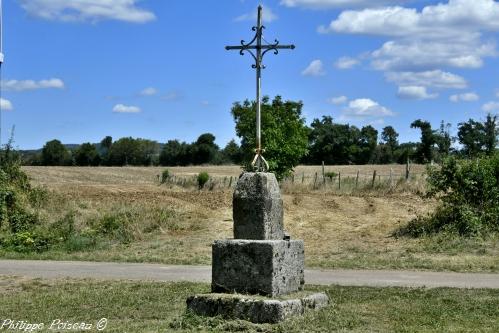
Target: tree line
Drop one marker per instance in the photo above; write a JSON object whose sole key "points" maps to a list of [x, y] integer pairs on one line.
{"points": [[287, 140]]}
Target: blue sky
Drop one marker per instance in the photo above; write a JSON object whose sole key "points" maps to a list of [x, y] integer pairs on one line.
{"points": [[79, 70]]}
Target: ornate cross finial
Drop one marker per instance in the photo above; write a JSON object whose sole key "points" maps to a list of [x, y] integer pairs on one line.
{"points": [[259, 163]]}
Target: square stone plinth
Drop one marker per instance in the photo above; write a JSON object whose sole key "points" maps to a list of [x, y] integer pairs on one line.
{"points": [[253, 308], [257, 207], [270, 268]]}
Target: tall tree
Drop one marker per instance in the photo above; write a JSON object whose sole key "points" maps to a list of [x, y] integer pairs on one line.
{"points": [[55, 153], [368, 141], [390, 143], [471, 135], [232, 152], [87, 155], [329, 142], [130, 151], [175, 153], [390, 137], [205, 149], [284, 134], [443, 139], [424, 153], [491, 133]]}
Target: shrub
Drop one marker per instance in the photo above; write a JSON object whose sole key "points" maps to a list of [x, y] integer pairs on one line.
{"points": [[469, 194], [117, 226], [203, 178], [27, 241], [165, 175], [331, 175]]}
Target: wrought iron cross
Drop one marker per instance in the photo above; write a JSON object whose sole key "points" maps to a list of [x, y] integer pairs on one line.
{"points": [[259, 163]]}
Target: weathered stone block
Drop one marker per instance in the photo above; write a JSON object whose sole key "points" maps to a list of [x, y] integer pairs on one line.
{"points": [[272, 268], [253, 308], [257, 207]]}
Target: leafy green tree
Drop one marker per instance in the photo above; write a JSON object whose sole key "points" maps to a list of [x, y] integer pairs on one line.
{"points": [[175, 153], [406, 151], [424, 152], [104, 147], [130, 151], [491, 129], [87, 155], [331, 143], [368, 142], [471, 135], [385, 152], [232, 152], [55, 153], [284, 134], [443, 140], [205, 149], [390, 137], [107, 142]]}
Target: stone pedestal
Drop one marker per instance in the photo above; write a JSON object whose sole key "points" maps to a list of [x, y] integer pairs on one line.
{"points": [[257, 207], [271, 268], [259, 261]]}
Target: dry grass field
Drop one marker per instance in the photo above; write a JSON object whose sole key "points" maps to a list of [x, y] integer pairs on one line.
{"points": [[175, 224]]}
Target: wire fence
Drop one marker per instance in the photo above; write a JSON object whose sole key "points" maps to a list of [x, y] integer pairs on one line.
{"points": [[332, 181]]}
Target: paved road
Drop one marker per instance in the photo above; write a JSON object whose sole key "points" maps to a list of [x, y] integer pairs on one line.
{"points": [[157, 272]]}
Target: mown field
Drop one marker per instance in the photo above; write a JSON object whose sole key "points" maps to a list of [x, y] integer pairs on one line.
{"points": [[175, 223], [160, 307]]}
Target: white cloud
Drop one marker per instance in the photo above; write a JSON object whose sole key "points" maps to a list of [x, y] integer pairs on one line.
{"points": [[430, 54], [6, 105], [324, 4], [88, 10], [447, 34], [435, 79], [491, 107], [205, 103], [466, 97], [449, 19], [346, 63], [338, 100], [316, 68], [415, 92], [120, 108], [267, 16], [150, 91], [15, 85], [365, 108]]}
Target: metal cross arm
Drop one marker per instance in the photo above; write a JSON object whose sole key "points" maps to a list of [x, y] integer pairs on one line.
{"points": [[261, 49]]}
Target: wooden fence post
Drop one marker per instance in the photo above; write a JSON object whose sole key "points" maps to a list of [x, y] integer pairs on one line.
{"points": [[303, 177], [374, 178], [323, 174], [357, 179], [407, 169], [339, 180], [315, 181]]}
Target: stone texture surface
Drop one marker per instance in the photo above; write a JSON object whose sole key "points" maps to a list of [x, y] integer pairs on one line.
{"points": [[257, 207], [271, 268], [254, 309]]}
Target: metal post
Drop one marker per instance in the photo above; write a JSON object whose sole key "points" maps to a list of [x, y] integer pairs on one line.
{"points": [[259, 83], [259, 163]]}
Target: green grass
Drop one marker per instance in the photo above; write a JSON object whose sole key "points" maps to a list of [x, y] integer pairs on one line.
{"points": [[160, 307]]}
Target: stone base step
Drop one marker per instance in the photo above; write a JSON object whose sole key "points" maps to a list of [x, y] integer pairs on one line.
{"points": [[256, 309]]}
